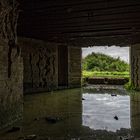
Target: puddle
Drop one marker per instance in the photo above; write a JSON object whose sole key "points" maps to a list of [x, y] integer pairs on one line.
{"points": [[63, 115], [99, 111]]}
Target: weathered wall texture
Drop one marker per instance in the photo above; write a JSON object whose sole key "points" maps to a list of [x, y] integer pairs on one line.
{"points": [[74, 58], [11, 68], [135, 110], [40, 65], [135, 65]]}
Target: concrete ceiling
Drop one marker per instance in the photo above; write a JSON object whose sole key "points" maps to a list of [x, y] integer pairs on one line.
{"points": [[81, 22]]}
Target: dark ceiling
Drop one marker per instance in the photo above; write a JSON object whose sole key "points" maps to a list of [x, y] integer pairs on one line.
{"points": [[81, 22]]}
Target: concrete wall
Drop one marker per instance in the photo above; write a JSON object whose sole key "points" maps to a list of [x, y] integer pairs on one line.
{"points": [[74, 58], [11, 66], [11, 79], [40, 65], [135, 111], [135, 65]]}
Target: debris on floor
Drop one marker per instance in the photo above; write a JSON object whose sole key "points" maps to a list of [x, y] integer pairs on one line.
{"points": [[53, 119], [13, 129], [36, 119], [129, 137], [29, 137]]}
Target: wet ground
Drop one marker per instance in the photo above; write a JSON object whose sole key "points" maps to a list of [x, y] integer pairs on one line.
{"points": [[90, 113]]}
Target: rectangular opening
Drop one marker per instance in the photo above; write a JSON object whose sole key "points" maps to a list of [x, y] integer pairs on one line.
{"points": [[62, 66], [106, 65]]}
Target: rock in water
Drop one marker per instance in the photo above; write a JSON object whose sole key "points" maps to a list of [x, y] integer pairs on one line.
{"points": [[116, 118], [113, 94], [83, 98], [129, 137]]}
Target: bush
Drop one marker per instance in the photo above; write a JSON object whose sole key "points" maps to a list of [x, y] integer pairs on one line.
{"points": [[102, 62]]}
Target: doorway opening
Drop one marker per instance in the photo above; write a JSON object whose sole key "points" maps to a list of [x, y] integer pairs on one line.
{"points": [[105, 65], [62, 66]]}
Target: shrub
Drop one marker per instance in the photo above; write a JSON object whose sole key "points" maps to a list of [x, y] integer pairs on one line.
{"points": [[102, 62]]}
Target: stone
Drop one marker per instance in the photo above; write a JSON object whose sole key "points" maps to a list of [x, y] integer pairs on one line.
{"points": [[30, 137], [116, 118], [53, 119], [113, 94], [13, 129]]}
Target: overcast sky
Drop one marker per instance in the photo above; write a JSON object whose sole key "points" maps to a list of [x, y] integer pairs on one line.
{"points": [[114, 51]]}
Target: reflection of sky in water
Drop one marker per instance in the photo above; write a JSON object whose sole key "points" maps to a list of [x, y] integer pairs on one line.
{"points": [[99, 111]]}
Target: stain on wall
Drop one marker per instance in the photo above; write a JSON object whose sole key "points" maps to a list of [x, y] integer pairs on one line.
{"points": [[40, 65]]}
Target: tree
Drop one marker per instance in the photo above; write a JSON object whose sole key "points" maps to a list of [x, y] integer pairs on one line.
{"points": [[102, 62]]}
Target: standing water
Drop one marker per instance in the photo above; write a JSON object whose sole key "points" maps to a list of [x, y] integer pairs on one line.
{"points": [[78, 114], [99, 111]]}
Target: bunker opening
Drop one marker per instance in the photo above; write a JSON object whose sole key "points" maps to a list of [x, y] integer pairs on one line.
{"points": [[105, 65]]}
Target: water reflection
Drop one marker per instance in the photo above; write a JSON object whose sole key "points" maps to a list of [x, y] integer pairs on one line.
{"points": [[92, 118], [65, 105], [99, 111]]}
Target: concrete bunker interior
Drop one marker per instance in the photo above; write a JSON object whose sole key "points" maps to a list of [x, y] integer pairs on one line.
{"points": [[40, 44]]}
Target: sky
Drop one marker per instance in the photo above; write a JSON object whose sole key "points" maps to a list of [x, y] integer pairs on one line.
{"points": [[114, 51]]}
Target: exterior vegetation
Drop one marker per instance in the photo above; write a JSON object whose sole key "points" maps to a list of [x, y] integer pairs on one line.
{"points": [[90, 74], [101, 65], [130, 86]]}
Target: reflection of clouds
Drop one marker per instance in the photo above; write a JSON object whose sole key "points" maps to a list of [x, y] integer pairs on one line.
{"points": [[99, 111], [114, 51]]}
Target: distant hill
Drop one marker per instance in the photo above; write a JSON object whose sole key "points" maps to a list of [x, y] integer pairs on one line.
{"points": [[102, 62]]}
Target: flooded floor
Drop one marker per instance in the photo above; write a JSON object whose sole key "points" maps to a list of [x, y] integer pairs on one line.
{"points": [[79, 114]]}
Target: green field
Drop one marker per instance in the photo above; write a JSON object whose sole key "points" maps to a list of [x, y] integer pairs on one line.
{"points": [[114, 74]]}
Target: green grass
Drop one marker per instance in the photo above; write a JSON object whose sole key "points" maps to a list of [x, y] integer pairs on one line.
{"points": [[114, 74]]}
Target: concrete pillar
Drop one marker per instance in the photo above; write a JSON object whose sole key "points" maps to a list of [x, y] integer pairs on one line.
{"points": [[11, 68], [135, 111], [74, 66], [135, 65]]}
